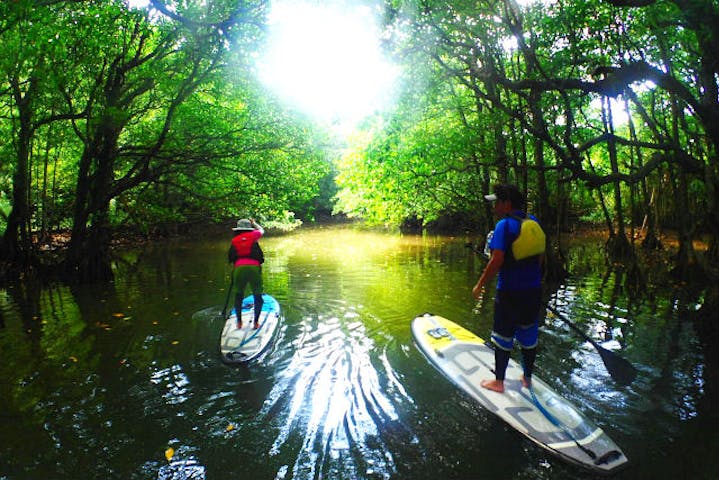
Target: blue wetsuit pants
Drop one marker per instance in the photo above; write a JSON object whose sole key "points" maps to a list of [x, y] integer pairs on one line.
{"points": [[516, 319]]}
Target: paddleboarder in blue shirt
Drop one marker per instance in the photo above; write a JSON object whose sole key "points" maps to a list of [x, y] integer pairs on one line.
{"points": [[517, 303]]}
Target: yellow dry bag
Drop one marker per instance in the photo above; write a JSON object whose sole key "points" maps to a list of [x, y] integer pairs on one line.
{"points": [[531, 240]]}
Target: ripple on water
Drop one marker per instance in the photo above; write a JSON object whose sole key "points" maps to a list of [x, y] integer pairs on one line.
{"points": [[328, 405]]}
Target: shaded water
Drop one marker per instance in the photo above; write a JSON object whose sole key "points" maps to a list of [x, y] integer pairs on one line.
{"points": [[100, 382]]}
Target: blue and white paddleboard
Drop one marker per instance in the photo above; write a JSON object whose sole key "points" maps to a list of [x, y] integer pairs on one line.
{"points": [[240, 345], [539, 413]]}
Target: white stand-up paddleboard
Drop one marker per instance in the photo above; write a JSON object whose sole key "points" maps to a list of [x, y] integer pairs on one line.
{"points": [[240, 345], [538, 412]]}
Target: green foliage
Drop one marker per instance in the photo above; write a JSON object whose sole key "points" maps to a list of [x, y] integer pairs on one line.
{"points": [[283, 223], [417, 163], [152, 118], [498, 92]]}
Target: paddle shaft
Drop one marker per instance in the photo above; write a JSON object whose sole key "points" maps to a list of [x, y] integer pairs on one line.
{"points": [[554, 421], [572, 326], [229, 292]]}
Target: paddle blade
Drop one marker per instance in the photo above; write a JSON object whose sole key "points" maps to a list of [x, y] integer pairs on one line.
{"points": [[621, 370]]}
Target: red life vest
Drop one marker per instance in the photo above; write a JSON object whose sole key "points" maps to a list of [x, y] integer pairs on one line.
{"points": [[242, 243]]}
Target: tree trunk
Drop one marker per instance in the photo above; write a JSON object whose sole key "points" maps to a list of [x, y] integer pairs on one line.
{"points": [[16, 245], [88, 257], [95, 262], [618, 245], [651, 240], [81, 214], [712, 255], [88, 253], [685, 264]]}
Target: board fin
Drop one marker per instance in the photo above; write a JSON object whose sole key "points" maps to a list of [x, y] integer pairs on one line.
{"points": [[231, 355], [608, 457]]}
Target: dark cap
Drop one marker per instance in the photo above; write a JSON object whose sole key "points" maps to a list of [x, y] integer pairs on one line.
{"points": [[507, 191]]}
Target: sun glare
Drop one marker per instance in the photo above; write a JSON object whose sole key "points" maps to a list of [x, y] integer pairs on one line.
{"points": [[324, 58], [619, 114], [138, 3]]}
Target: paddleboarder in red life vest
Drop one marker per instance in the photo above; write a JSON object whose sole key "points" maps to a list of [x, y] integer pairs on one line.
{"points": [[516, 257], [246, 256]]}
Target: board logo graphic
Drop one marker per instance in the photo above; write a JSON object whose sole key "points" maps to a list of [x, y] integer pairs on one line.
{"points": [[437, 333]]}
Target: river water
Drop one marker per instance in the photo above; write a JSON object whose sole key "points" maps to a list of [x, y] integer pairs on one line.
{"points": [[124, 381]]}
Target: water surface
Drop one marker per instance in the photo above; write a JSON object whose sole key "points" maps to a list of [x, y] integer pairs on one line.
{"points": [[108, 381]]}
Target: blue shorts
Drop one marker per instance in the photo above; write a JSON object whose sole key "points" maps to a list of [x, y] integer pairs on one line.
{"points": [[516, 318]]}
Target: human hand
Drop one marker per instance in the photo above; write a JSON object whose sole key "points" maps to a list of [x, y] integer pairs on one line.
{"points": [[478, 294]]}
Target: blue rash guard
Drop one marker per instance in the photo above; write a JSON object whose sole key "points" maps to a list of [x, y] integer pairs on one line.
{"points": [[523, 275]]}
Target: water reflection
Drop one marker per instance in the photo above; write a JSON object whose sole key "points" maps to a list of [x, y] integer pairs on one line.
{"points": [[175, 382], [100, 381], [330, 395]]}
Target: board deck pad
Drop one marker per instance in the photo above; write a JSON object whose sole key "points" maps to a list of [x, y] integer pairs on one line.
{"points": [[539, 413], [241, 345]]}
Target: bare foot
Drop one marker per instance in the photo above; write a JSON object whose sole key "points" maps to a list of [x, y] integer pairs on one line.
{"points": [[526, 383], [239, 325], [257, 325], [494, 385]]}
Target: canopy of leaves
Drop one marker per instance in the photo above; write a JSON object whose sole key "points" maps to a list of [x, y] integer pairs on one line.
{"points": [[138, 117], [559, 97]]}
